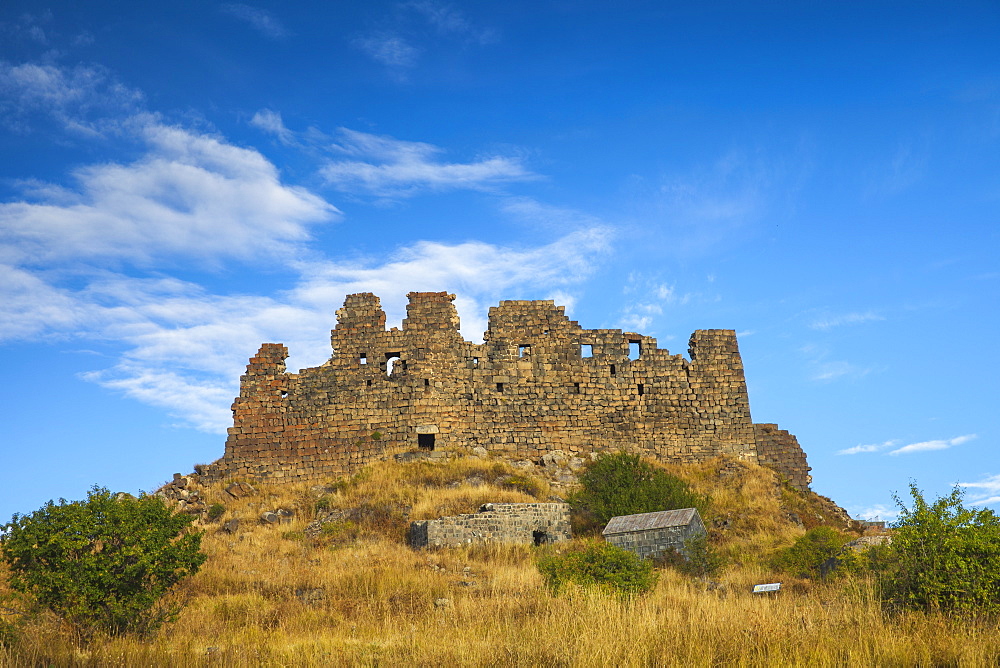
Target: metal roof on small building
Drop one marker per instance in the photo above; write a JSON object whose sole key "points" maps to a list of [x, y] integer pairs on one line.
{"points": [[647, 521]]}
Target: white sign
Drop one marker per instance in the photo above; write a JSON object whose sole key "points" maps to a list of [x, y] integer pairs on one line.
{"points": [[759, 589]]}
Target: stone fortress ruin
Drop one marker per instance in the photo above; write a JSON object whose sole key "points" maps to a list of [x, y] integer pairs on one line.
{"points": [[538, 383]]}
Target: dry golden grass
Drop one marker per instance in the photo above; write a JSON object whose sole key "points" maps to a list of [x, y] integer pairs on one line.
{"points": [[269, 596]]}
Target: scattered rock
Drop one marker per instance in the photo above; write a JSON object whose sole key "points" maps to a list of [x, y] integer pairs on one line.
{"points": [[442, 603], [310, 596], [230, 526], [269, 518], [239, 490], [479, 451], [554, 460]]}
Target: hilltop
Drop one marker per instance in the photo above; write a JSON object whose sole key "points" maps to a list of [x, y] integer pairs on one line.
{"points": [[316, 574]]}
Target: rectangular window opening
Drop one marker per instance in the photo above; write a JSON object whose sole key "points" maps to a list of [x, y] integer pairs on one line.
{"points": [[475, 361], [586, 350], [523, 350], [427, 382], [576, 388], [368, 382], [363, 358], [641, 390], [634, 349], [613, 370], [425, 441], [499, 387]]}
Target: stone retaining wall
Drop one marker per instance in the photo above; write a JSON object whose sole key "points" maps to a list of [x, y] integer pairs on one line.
{"points": [[524, 523]]}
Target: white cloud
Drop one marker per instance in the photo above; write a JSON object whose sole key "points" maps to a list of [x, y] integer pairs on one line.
{"points": [[260, 20], [989, 494], [650, 298], [829, 322], [877, 447], [84, 100], [270, 121], [191, 194], [448, 20], [395, 168], [941, 444], [388, 49]]}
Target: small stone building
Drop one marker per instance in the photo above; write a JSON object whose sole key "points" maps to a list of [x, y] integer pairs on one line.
{"points": [[526, 523], [651, 534]]}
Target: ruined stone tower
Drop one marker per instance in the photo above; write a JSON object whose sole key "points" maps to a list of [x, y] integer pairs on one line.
{"points": [[538, 382]]}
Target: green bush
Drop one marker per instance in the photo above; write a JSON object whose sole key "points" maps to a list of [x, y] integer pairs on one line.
{"points": [[703, 560], [943, 556], [215, 511], [623, 484], [103, 564], [804, 558], [600, 565]]}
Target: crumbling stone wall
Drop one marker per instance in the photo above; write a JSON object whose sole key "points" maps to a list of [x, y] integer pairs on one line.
{"points": [[525, 523], [779, 450], [539, 382]]}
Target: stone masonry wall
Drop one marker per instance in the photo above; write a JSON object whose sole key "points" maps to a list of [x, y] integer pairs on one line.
{"points": [[539, 382], [779, 450], [526, 523]]}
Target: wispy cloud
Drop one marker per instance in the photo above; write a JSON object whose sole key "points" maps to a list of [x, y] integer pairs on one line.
{"points": [[388, 49], [823, 369], [270, 121], [877, 447], [854, 318], [987, 491], [389, 167], [84, 99], [923, 446], [648, 298], [260, 20], [447, 19], [940, 444]]}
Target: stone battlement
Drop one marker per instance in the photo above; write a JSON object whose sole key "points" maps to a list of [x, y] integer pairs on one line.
{"points": [[539, 382]]}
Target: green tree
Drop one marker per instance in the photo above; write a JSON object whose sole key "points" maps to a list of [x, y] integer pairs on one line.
{"points": [[103, 564], [943, 556], [601, 565], [623, 484], [809, 552]]}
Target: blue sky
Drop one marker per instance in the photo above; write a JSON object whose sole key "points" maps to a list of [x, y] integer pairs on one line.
{"points": [[182, 181]]}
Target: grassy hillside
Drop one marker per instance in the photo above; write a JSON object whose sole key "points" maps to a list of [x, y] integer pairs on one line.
{"points": [[350, 591]]}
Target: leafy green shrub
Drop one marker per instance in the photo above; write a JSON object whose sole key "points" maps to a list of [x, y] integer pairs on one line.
{"points": [[623, 484], [323, 504], [215, 511], [103, 564], [943, 556], [807, 554], [702, 559], [601, 565]]}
